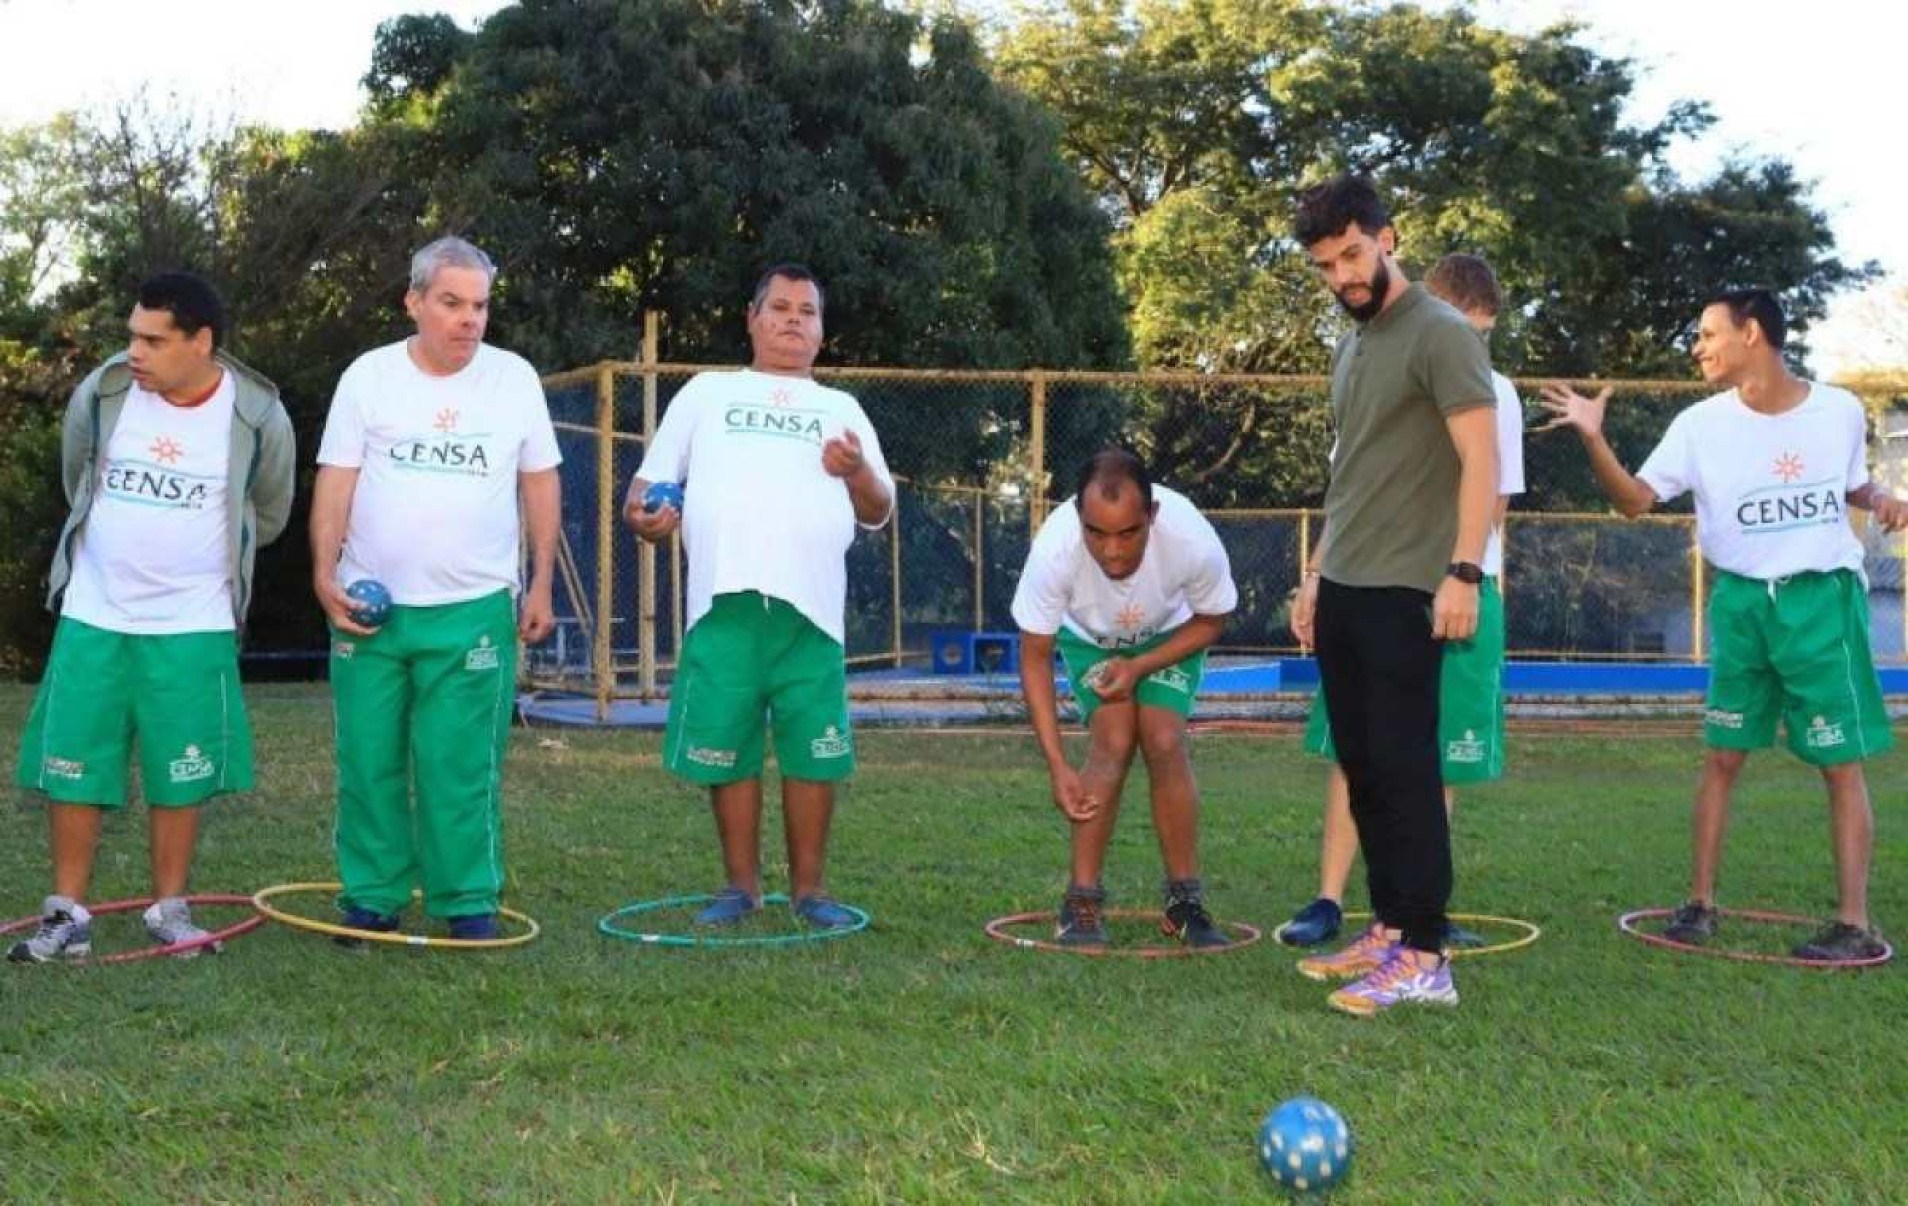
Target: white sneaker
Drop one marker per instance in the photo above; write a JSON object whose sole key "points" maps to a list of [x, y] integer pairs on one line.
{"points": [[169, 921], [66, 932]]}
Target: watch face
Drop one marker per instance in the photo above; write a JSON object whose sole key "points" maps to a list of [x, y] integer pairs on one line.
{"points": [[1465, 572]]}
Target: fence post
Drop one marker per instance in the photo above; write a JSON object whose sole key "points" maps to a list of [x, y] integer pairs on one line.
{"points": [[980, 558], [600, 658], [1037, 452], [894, 572], [1696, 593], [645, 551]]}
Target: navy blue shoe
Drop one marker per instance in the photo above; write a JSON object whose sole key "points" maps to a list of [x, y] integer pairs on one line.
{"points": [[729, 906], [822, 912], [475, 927], [356, 918], [1082, 920], [1315, 923]]}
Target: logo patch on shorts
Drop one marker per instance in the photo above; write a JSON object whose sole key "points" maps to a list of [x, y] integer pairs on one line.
{"points": [[63, 768], [484, 657], [702, 755], [192, 767], [342, 650], [1465, 749], [1172, 678], [1824, 736], [1723, 720], [831, 744]]}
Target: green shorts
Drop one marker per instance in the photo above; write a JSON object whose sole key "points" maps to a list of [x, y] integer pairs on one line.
{"points": [[1470, 701], [178, 696], [1170, 687], [753, 661], [1794, 649]]}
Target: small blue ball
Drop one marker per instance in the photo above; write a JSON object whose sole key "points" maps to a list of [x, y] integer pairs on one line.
{"points": [[661, 494], [1305, 1145], [373, 602]]}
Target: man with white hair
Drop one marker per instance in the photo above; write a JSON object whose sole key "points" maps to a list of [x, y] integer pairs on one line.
{"points": [[430, 445]]}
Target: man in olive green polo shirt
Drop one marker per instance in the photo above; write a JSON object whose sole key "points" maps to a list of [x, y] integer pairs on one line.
{"points": [[1413, 487]]}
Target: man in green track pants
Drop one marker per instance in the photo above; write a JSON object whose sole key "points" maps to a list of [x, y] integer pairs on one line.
{"points": [[429, 445]]}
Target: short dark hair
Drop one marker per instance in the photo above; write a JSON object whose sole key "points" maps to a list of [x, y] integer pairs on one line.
{"points": [[1754, 305], [1325, 210], [1108, 469], [1467, 282], [194, 304], [788, 272]]}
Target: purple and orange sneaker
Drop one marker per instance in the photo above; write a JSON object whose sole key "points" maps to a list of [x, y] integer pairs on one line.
{"points": [[1364, 955], [1407, 977]]}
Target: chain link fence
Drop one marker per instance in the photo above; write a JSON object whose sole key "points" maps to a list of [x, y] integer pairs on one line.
{"points": [[981, 457]]}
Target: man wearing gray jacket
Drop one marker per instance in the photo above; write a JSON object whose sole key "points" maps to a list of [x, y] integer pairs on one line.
{"points": [[178, 463]]}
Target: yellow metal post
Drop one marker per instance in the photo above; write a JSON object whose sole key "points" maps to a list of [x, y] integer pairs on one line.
{"points": [[1037, 453], [646, 552], [605, 673]]}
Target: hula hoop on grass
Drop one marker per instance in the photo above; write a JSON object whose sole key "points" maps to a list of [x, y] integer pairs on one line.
{"points": [[263, 898], [1627, 923], [1530, 932], [214, 938], [997, 929], [607, 926]]}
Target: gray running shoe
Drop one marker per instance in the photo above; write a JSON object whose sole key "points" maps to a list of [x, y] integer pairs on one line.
{"points": [[169, 921], [1082, 917], [1840, 942], [1692, 924], [66, 932]]}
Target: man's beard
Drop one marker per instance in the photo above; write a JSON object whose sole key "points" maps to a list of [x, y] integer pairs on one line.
{"points": [[1380, 286]]}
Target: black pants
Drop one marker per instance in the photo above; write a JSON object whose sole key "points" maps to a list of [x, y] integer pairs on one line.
{"points": [[1379, 666]]}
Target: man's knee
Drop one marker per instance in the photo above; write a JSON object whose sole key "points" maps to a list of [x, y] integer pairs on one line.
{"points": [[1162, 738], [1724, 764], [1115, 734]]}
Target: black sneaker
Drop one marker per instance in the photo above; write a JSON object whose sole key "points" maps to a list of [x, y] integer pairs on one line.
{"points": [[1693, 924], [1315, 923], [1082, 917], [1186, 916], [1840, 942]]}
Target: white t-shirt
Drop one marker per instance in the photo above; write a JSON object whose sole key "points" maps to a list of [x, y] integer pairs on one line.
{"points": [[1184, 572], [759, 511], [1510, 462], [154, 556], [1771, 490], [434, 516]]}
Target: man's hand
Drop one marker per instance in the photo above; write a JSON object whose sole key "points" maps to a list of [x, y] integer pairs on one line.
{"points": [[537, 617], [1305, 611], [651, 526], [1568, 408], [1891, 513], [841, 456], [1071, 797], [337, 607], [1113, 680], [1454, 611]]}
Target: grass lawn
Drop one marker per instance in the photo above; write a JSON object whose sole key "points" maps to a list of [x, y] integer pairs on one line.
{"points": [[920, 1062]]}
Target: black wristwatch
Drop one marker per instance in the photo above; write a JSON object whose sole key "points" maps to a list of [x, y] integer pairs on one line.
{"points": [[1465, 571]]}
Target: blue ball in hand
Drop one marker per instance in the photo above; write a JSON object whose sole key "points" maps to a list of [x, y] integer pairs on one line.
{"points": [[660, 495], [1305, 1145], [371, 602]]}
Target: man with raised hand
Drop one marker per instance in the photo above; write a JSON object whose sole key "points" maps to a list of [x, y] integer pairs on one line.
{"points": [[178, 463], [1471, 678], [1407, 514], [1131, 583], [438, 458], [1775, 462], [777, 473]]}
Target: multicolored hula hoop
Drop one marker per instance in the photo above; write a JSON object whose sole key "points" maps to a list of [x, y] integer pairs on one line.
{"points": [[214, 938], [997, 929], [1531, 932], [607, 926], [1627, 923], [263, 898]]}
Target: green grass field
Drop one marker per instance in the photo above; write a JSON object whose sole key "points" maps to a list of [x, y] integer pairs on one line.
{"points": [[920, 1062]]}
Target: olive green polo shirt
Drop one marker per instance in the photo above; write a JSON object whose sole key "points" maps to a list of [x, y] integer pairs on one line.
{"points": [[1391, 507]]}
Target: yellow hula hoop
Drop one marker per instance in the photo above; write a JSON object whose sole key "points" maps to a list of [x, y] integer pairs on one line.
{"points": [[1531, 933], [261, 900]]}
